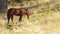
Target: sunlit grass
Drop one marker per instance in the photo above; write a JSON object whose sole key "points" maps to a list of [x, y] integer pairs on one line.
{"points": [[43, 20], [37, 24]]}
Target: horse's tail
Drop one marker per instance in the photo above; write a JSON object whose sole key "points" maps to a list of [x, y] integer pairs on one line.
{"points": [[9, 13]]}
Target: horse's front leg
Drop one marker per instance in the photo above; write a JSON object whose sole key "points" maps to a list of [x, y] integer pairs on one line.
{"points": [[20, 18]]}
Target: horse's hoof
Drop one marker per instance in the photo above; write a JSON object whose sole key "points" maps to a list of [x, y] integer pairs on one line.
{"points": [[8, 24]]}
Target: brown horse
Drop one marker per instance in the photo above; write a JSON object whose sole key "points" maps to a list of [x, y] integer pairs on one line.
{"points": [[18, 12]]}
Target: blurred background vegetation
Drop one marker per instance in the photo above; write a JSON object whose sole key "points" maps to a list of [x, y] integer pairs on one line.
{"points": [[45, 16], [38, 5], [3, 5]]}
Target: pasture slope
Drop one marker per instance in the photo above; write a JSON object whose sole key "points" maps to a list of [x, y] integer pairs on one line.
{"points": [[39, 23], [45, 19]]}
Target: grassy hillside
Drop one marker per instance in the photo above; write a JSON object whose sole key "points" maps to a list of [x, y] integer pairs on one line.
{"points": [[45, 19], [39, 23]]}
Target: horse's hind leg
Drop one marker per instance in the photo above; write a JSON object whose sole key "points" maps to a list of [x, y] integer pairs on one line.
{"points": [[8, 17], [12, 18]]}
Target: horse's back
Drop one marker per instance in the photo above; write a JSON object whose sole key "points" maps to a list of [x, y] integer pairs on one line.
{"points": [[17, 11]]}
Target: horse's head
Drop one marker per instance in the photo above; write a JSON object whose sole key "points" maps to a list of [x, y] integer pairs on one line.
{"points": [[26, 11], [28, 14]]}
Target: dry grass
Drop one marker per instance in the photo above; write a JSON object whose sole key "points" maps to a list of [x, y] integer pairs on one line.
{"points": [[41, 23]]}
